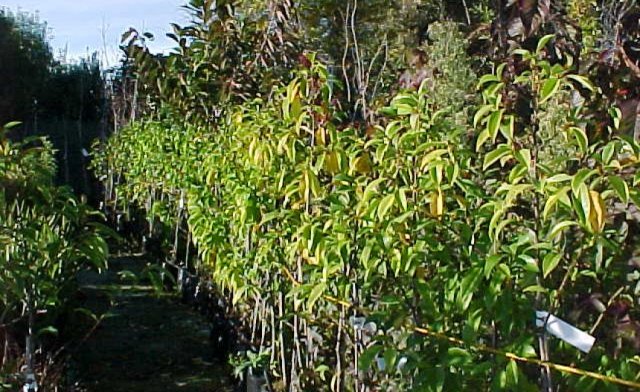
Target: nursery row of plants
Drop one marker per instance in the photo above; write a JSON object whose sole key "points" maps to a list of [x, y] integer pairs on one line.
{"points": [[402, 239], [46, 237]]}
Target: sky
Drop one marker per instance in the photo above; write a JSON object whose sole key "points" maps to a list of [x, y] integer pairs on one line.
{"points": [[78, 25]]}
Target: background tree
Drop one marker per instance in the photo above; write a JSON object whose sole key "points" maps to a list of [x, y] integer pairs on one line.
{"points": [[25, 62], [32, 83]]}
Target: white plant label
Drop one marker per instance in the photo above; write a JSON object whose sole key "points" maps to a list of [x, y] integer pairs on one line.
{"points": [[565, 331]]}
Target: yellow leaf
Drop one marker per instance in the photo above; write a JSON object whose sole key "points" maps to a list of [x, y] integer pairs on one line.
{"points": [[308, 258], [597, 214], [421, 272], [331, 162], [437, 203], [303, 187], [252, 147], [362, 164], [296, 108], [321, 137], [307, 186]]}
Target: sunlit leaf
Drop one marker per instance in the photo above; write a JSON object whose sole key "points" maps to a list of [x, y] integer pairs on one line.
{"points": [[549, 89], [385, 205], [494, 156], [621, 188]]}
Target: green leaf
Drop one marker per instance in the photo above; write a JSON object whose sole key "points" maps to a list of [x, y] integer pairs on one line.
{"points": [[367, 357], [371, 189], [508, 129], [522, 52], [581, 138], [492, 157], [385, 205], [493, 125], [50, 330], [321, 371], [585, 201], [518, 172], [296, 108], [542, 43], [550, 262], [616, 116], [534, 289], [315, 294], [285, 109], [482, 138], [500, 70], [607, 153], [524, 156], [559, 227], [489, 78], [490, 264], [314, 183], [562, 177], [579, 179], [12, 124], [481, 114], [432, 156], [549, 88], [583, 81], [634, 195], [404, 109], [621, 188], [512, 374], [500, 226], [402, 198], [468, 287], [553, 200], [530, 264], [528, 351], [457, 356], [365, 255]]}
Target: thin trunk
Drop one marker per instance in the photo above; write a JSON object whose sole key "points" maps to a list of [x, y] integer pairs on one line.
{"points": [[176, 236], [30, 381], [345, 53], [466, 12], [186, 256], [134, 102], [636, 129], [543, 337], [338, 375], [283, 360]]}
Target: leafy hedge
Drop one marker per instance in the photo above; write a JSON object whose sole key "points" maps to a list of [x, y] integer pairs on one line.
{"points": [[405, 256]]}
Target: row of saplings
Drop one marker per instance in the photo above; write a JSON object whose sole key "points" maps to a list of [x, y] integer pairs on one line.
{"points": [[47, 236], [174, 269]]}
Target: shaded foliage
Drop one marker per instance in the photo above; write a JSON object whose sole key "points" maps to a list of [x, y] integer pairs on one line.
{"points": [[46, 237], [25, 60]]}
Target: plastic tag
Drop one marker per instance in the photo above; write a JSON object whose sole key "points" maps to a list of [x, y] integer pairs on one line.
{"points": [[565, 331]]}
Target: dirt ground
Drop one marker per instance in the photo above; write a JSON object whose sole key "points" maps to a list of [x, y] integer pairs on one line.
{"points": [[149, 342]]}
